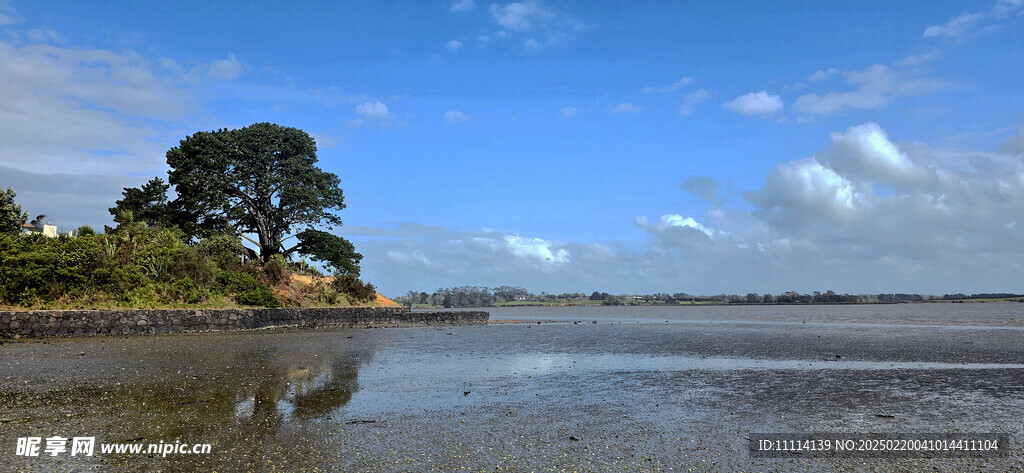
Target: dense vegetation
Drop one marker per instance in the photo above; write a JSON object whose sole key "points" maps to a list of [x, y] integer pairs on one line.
{"points": [[260, 180], [137, 265]]}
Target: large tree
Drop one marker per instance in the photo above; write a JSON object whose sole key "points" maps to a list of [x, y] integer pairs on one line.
{"points": [[262, 180], [147, 203], [11, 215]]}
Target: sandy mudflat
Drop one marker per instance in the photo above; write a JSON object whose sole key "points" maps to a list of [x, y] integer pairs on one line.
{"points": [[630, 393]]}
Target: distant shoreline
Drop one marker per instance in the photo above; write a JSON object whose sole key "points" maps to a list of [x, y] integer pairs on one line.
{"points": [[703, 304]]}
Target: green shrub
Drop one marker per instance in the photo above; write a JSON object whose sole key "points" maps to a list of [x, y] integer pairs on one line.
{"points": [[355, 288], [246, 289], [225, 250], [185, 290]]}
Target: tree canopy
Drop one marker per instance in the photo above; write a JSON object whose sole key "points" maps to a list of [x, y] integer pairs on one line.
{"points": [[262, 180], [148, 204], [11, 215]]}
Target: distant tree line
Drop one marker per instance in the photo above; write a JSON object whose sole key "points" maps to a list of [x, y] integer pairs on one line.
{"points": [[996, 295], [479, 296]]}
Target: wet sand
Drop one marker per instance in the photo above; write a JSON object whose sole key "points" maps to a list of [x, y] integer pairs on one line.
{"points": [[630, 393]]}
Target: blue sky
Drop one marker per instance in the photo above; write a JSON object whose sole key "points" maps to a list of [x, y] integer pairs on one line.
{"points": [[702, 147]]}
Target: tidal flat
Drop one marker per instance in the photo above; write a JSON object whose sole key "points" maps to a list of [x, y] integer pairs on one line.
{"points": [[585, 389]]}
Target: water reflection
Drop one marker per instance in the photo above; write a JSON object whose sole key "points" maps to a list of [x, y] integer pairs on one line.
{"points": [[254, 397], [303, 387]]}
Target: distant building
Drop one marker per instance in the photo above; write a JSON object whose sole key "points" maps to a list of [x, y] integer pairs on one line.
{"points": [[46, 230]]}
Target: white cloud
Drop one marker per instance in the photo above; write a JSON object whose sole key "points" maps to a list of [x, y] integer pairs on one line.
{"points": [[673, 221], [941, 216], [822, 75], [755, 103], [537, 249], [83, 110], [670, 88], [568, 112], [463, 6], [865, 153], [626, 107], [43, 35], [455, 116], [874, 87], [453, 45], [545, 26], [693, 98], [374, 111], [416, 256], [912, 60], [225, 69], [519, 16], [956, 28], [962, 26], [8, 16], [803, 189]]}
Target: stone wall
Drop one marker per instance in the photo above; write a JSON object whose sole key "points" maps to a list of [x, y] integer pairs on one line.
{"points": [[41, 323]]}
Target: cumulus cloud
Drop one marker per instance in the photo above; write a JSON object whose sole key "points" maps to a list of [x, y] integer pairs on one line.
{"points": [[806, 189], [874, 87], [864, 152], [463, 6], [537, 249], [568, 112], [670, 88], [756, 103], [453, 45], [691, 99], [455, 116], [626, 107], [936, 213], [372, 112]]}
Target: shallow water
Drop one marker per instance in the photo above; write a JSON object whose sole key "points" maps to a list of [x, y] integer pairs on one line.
{"points": [[631, 392]]}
